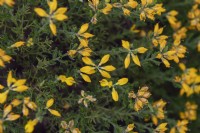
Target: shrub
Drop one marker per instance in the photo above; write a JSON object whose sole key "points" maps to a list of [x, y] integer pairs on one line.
{"points": [[91, 66]]}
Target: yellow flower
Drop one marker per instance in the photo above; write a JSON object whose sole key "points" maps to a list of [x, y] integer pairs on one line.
{"points": [[150, 12], [83, 36], [140, 97], [130, 4], [94, 4], [90, 68], [181, 127], [69, 127], [161, 128], [86, 98], [109, 84], [28, 104], [130, 128], [194, 16], [107, 9], [30, 125], [69, 81], [169, 55], [190, 111], [4, 58], [157, 38], [159, 111], [84, 51], [28, 43], [7, 2], [54, 14], [49, 103], [13, 85], [132, 53], [180, 50]]}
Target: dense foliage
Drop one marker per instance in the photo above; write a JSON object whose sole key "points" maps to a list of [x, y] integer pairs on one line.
{"points": [[99, 66]]}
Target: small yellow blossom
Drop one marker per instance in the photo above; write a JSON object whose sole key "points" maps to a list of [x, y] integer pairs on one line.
{"points": [[159, 111], [169, 55], [130, 4], [69, 128], [129, 128], [83, 36], [107, 9], [28, 104], [109, 84], [190, 111], [28, 43], [194, 16], [181, 127], [179, 49], [140, 98], [132, 53], [158, 38], [86, 98], [54, 14], [149, 12], [68, 80], [91, 67], [30, 125], [13, 85], [161, 128], [50, 103], [4, 58], [84, 51]]}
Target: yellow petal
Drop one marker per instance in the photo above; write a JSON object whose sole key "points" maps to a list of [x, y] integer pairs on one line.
{"points": [[60, 10], [88, 61], [20, 82], [52, 5], [7, 110], [83, 28], [54, 112], [32, 105], [104, 82], [29, 127], [16, 102], [53, 28], [87, 70], [70, 81], [122, 81], [126, 44], [127, 60], [25, 110], [108, 68], [86, 77], [105, 74], [141, 50], [20, 88], [6, 58], [83, 42], [3, 96], [12, 117], [9, 79], [1, 87], [49, 103], [41, 12], [87, 35], [2, 63], [166, 62], [60, 17], [136, 59], [104, 59], [115, 95]]}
